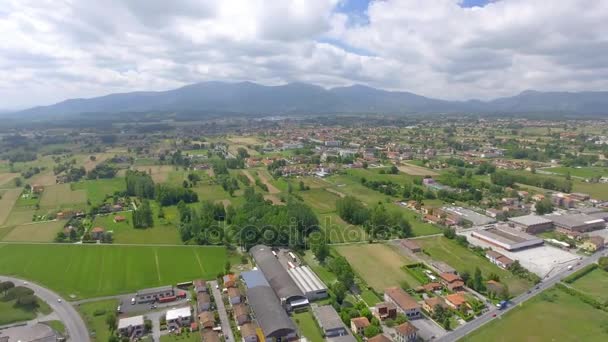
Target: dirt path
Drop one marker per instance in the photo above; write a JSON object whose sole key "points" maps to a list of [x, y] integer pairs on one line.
{"points": [[271, 188], [416, 170], [274, 199], [335, 192], [249, 176]]}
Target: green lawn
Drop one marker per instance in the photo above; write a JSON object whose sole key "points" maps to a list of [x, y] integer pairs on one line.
{"points": [[56, 325], [308, 326], [163, 232], [584, 172], [99, 188], [321, 200], [552, 316], [184, 337], [9, 313], [375, 175], [324, 274], [94, 315], [100, 270], [370, 297], [594, 283], [462, 259]]}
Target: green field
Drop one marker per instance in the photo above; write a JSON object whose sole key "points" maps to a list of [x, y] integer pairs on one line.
{"points": [[61, 195], [462, 259], [584, 172], [100, 270], [321, 200], [551, 316], [379, 265], [594, 283], [9, 313], [94, 315], [35, 232], [96, 190], [123, 232], [183, 337], [308, 326]]}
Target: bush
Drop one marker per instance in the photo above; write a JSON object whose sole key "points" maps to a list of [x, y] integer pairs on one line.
{"points": [[580, 273]]}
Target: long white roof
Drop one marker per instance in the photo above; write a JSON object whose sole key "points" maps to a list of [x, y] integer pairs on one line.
{"points": [[306, 279], [176, 313], [130, 322]]}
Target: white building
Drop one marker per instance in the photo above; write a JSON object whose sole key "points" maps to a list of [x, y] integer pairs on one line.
{"points": [[177, 318], [312, 287], [132, 327]]}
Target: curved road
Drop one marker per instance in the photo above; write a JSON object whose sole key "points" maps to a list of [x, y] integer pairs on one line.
{"points": [[74, 324]]}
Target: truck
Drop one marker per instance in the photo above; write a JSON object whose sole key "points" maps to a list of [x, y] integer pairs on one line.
{"points": [[502, 305]]}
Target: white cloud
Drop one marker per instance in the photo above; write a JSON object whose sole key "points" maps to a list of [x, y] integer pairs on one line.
{"points": [[52, 50]]}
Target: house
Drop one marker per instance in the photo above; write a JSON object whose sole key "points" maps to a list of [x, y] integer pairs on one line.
{"points": [[385, 310], [241, 314], [200, 286], [119, 218], [131, 327], [37, 188], [206, 320], [594, 243], [203, 302], [406, 332], [404, 302], [97, 233], [452, 281], [456, 300], [178, 318], [230, 280], [411, 245], [379, 338], [234, 295], [248, 332], [499, 259], [430, 304], [358, 325]]}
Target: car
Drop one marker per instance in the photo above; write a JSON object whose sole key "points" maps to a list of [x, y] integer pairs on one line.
{"points": [[529, 291], [25, 283], [538, 287], [119, 309], [133, 301], [493, 315], [153, 306], [217, 286], [58, 300]]}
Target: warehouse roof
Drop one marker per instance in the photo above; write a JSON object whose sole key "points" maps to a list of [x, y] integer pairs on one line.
{"points": [[276, 274], [254, 278], [529, 220], [130, 322], [510, 237], [269, 314], [306, 280], [573, 220], [328, 317], [177, 313]]}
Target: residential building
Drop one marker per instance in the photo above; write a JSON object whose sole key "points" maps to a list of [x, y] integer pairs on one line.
{"points": [[210, 336], [177, 318], [203, 302], [206, 320], [97, 233], [385, 310], [358, 325], [430, 304], [406, 332], [495, 287], [456, 300], [452, 281], [498, 259], [379, 338], [241, 314], [131, 327], [200, 286], [230, 280], [404, 302], [234, 295], [248, 332]]}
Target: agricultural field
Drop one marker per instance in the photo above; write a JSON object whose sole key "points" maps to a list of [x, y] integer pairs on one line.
{"points": [[462, 259], [82, 271], [35, 232], [266, 178], [378, 265], [96, 190], [62, 195], [7, 177], [99, 158], [374, 174], [123, 232], [550, 316], [159, 173], [7, 202], [45, 178], [583, 172], [416, 170], [94, 315], [594, 283], [320, 200]]}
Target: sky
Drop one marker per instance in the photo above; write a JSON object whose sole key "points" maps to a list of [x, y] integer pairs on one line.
{"points": [[53, 50]]}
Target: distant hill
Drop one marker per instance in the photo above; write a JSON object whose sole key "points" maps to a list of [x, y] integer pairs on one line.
{"points": [[302, 98]]}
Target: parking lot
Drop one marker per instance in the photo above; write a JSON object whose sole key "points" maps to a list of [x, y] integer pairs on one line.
{"points": [[543, 260], [128, 309]]}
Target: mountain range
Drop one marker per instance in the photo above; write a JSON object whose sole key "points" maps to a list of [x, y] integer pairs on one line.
{"points": [[302, 98]]}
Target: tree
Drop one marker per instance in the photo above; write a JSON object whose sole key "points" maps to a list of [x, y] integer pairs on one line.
{"points": [[478, 280], [143, 217], [603, 262], [227, 266], [111, 321], [319, 247], [371, 331], [465, 276], [544, 207], [29, 301], [339, 291]]}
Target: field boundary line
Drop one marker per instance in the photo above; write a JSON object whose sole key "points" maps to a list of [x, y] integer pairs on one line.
{"points": [[198, 259], [157, 266], [103, 259]]}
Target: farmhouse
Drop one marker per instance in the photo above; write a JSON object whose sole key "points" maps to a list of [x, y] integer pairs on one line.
{"points": [[406, 332], [579, 223], [329, 321], [277, 276], [177, 318], [131, 327], [154, 294], [498, 259], [308, 282], [404, 302], [532, 224], [267, 308], [358, 325], [411, 245], [506, 238]]}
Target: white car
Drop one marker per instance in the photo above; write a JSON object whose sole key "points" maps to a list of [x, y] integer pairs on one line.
{"points": [[133, 301], [59, 300]]}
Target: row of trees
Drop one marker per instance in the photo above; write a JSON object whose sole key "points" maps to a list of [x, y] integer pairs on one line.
{"points": [[551, 183]]}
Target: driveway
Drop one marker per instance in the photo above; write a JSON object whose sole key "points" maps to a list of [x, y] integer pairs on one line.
{"points": [[221, 309], [65, 312]]}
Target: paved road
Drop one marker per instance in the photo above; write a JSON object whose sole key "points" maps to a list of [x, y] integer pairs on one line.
{"points": [[74, 324], [221, 309], [466, 329]]}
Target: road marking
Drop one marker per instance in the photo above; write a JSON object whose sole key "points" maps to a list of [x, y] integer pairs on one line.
{"points": [[157, 267]]}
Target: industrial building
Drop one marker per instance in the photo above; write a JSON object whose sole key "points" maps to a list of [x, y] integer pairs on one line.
{"points": [[308, 282], [532, 224], [579, 223], [460, 215], [286, 289], [329, 321], [154, 294], [507, 238], [268, 311]]}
